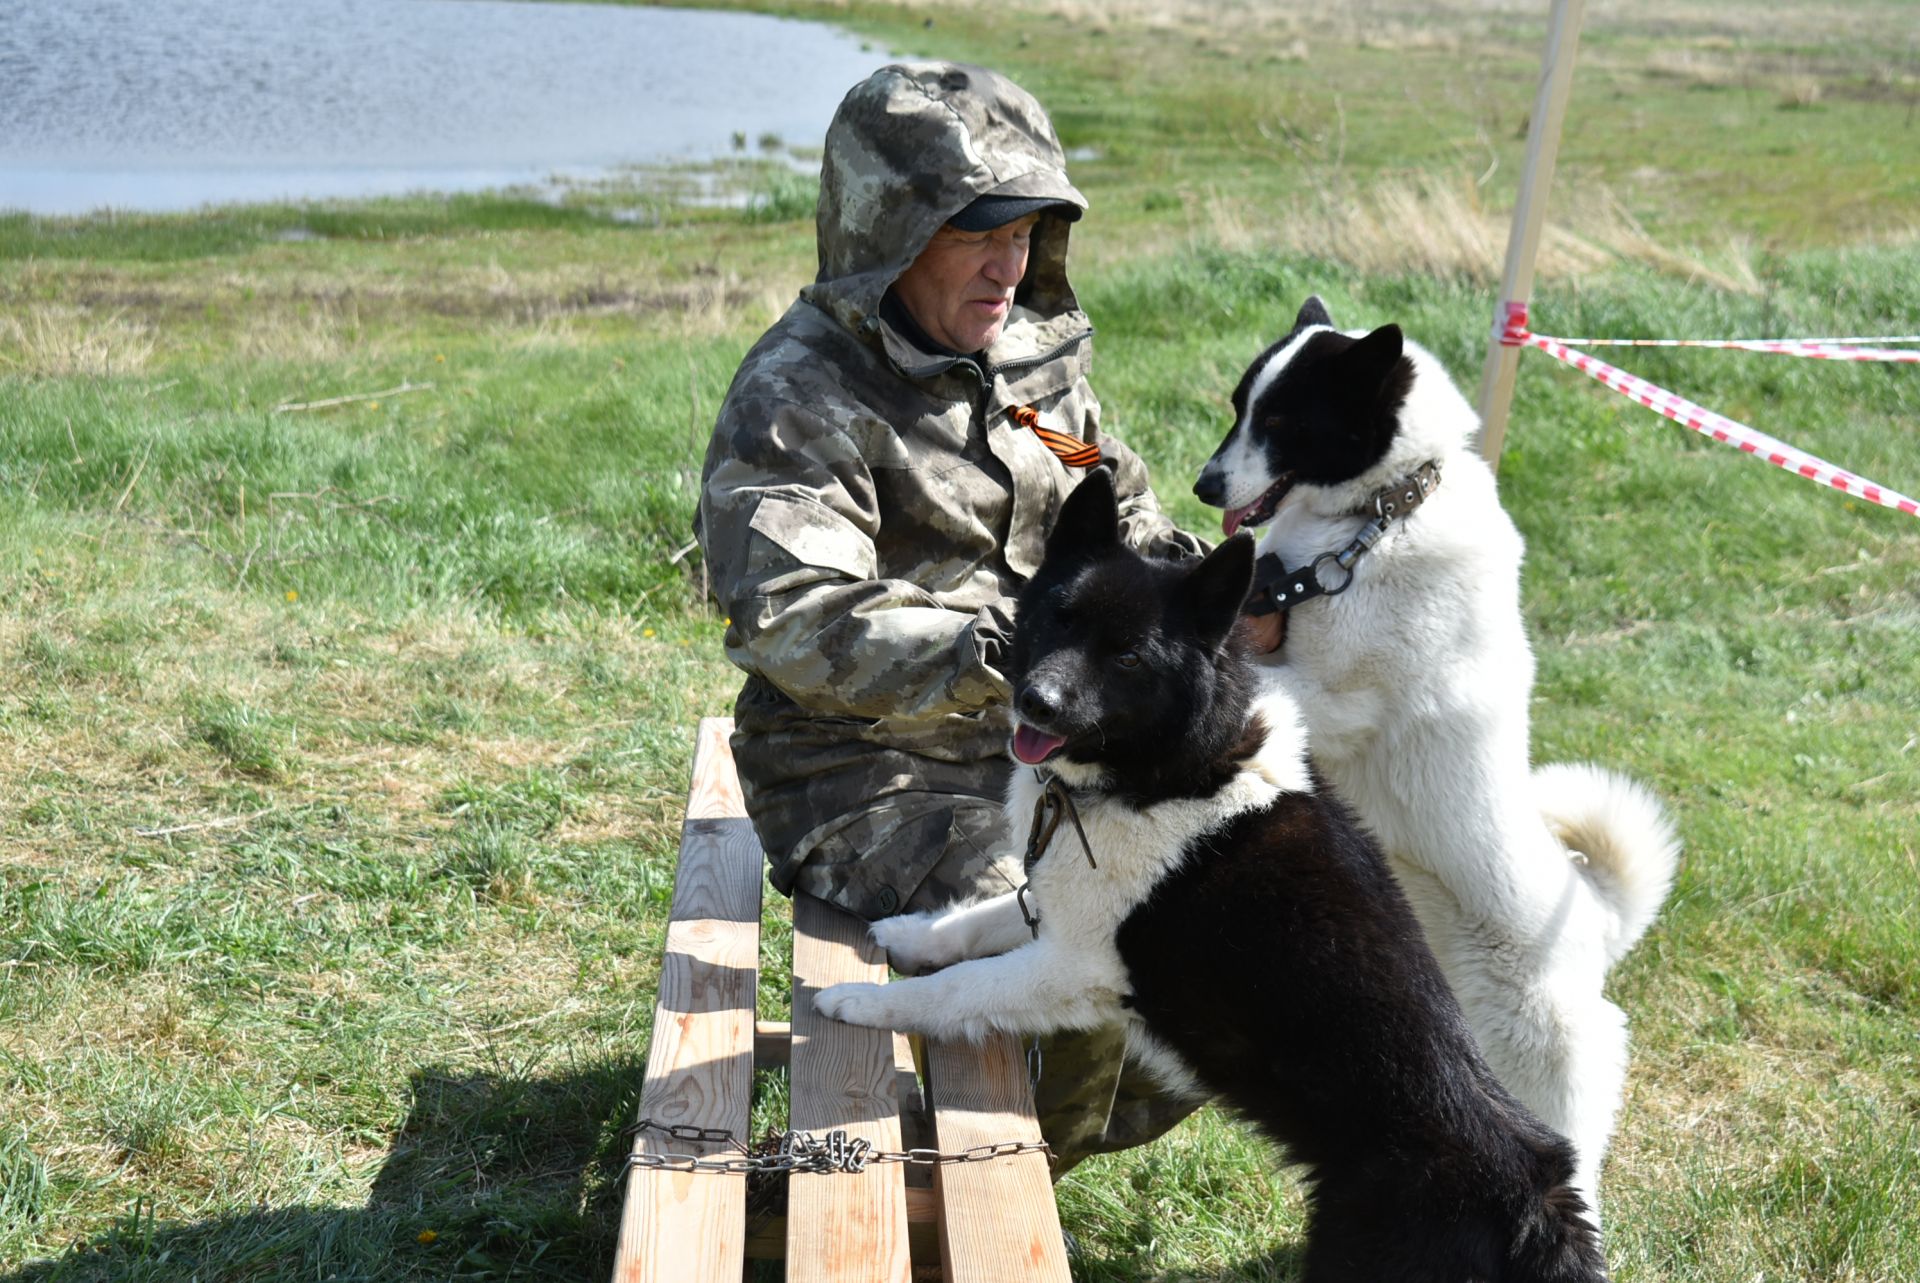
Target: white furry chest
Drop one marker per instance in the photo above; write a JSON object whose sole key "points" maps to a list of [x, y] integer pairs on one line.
{"points": [[1082, 892], [1126, 852], [1082, 903]]}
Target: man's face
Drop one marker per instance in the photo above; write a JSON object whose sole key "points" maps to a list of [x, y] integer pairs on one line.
{"points": [[961, 287]]}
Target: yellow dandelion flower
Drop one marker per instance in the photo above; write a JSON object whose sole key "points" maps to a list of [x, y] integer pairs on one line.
{"points": [[439, 358], [292, 595], [426, 1237], [646, 632]]}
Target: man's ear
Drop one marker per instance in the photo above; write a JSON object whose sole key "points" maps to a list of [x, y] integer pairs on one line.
{"points": [[1089, 522], [1313, 312], [1217, 588]]}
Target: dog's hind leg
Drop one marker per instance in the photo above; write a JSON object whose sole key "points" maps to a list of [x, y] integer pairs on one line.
{"points": [[1543, 1026], [923, 941], [1598, 1061], [1564, 1055]]}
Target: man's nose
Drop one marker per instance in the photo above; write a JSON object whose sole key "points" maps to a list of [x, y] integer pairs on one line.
{"points": [[1006, 265]]}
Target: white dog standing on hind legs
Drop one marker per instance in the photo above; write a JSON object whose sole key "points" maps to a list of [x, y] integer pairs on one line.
{"points": [[1397, 577]]}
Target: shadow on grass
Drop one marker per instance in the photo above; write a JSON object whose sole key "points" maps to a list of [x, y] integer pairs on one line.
{"points": [[490, 1177]]}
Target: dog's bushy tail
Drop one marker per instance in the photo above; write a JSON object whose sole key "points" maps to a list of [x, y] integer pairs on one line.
{"points": [[1630, 843]]}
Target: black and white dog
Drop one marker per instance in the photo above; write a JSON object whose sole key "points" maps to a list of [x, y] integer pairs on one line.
{"points": [[1231, 909], [1414, 678]]}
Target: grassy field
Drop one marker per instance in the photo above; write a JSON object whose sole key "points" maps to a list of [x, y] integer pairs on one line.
{"points": [[342, 746]]}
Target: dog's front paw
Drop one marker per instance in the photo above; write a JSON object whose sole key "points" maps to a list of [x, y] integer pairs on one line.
{"points": [[854, 1004], [911, 943]]}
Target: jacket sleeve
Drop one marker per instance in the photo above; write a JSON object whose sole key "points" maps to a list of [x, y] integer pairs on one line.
{"points": [[788, 520]]}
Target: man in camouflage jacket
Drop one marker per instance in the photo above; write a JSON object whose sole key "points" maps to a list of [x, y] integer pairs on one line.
{"points": [[871, 503]]}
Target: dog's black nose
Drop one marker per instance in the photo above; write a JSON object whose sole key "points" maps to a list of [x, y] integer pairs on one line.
{"points": [[1211, 488], [1038, 703]]}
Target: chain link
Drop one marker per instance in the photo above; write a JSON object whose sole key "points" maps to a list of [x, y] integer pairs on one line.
{"points": [[796, 1151]]}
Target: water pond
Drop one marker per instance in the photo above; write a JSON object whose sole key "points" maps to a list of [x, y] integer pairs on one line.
{"points": [[160, 106]]}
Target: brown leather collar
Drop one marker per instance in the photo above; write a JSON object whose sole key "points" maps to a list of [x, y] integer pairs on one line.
{"points": [[1404, 495]]}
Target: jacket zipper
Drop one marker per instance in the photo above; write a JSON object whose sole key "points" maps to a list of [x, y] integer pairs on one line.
{"points": [[985, 374]]}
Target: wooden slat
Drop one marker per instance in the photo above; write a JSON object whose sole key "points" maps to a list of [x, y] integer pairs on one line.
{"points": [[689, 1227], [916, 1128], [843, 1228], [767, 1236], [998, 1223], [772, 1044]]}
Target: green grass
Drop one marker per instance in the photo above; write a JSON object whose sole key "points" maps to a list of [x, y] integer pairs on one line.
{"points": [[342, 749]]}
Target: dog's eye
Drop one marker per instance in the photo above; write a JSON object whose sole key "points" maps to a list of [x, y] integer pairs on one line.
{"points": [[1127, 659]]}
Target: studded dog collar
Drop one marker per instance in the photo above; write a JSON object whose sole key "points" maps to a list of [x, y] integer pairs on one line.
{"points": [[1277, 588]]}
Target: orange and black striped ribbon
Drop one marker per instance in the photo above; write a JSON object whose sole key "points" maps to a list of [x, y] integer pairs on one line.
{"points": [[1071, 451]]}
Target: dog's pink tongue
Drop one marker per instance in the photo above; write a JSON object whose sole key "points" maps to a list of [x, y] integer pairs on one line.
{"points": [[1033, 747], [1231, 521]]}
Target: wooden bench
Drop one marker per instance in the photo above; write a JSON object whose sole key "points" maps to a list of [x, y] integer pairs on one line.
{"points": [[991, 1221]]}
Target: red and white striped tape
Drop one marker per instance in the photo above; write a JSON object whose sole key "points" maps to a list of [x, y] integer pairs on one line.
{"points": [[1840, 349], [1514, 333]]}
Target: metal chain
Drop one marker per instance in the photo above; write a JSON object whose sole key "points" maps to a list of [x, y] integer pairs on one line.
{"points": [[796, 1151]]}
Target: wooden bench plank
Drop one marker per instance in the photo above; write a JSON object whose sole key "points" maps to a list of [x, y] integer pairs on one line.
{"points": [[772, 1044], [843, 1228], [767, 1236], [689, 1227], [998, 1222]]}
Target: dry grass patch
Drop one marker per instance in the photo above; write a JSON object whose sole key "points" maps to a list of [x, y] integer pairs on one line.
{"points": [[60, 340], [1707, 66], [301, 333], [235, 735], [118, 319], [1438, 225], [1400, 37]]}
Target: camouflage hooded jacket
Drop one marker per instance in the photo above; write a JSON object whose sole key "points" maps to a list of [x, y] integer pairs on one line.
{"points": [[869, 506]]}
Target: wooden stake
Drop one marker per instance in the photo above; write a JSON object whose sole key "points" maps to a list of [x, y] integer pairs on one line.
{"points": [[1529, 215]]}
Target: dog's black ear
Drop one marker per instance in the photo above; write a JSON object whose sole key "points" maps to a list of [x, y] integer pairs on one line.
{"points": [[1378, 376], [1312, 312], [1217, 588], [1089, 520], [1375, 359]]}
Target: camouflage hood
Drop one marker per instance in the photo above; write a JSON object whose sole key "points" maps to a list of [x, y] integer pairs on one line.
{"points": [[913, 145]]}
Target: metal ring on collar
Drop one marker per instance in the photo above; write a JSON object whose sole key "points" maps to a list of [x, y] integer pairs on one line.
{"points": [[1347, 568]]}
